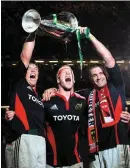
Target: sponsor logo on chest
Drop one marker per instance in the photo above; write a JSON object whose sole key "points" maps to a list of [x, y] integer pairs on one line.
{"points": [[66, 117], [34, 99]]}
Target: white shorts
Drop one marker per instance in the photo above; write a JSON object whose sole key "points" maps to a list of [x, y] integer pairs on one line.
{"points": [[29, 151], [77, 165], [118, 157]]}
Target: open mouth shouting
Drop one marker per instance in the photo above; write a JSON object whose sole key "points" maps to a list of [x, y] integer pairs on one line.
{"points": [[68, 79], [32, 76]]}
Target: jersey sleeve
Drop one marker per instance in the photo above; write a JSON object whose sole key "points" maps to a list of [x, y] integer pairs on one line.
{"points": [[84, 92], [115, 76], [19, 72], [15, 124]]}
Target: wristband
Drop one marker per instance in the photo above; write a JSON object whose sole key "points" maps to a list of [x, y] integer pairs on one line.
{"points": [[31, 37], [87, 33]]}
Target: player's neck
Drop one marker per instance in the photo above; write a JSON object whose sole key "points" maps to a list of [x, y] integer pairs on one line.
{"points": [[65, 93]]}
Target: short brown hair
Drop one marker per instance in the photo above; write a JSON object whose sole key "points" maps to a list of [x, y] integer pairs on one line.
{"points": [[33, 62]]}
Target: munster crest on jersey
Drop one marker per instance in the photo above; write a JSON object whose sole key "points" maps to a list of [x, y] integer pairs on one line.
{"points": [[78, 106]]}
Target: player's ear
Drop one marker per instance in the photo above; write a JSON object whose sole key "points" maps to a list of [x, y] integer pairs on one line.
{"points": [[73, 79], [58, 81], [73, 76]]}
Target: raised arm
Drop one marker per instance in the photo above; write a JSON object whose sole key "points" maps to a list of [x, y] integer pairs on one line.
{"points": [[28, 48], [100, 48]]}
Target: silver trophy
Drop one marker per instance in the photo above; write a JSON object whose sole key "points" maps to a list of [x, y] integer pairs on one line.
{"points": [[60, 26]]}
